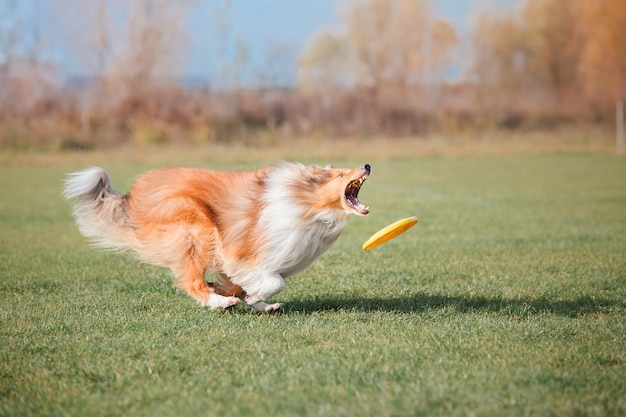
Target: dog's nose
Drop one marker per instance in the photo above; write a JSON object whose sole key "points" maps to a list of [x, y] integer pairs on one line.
{"points": [[367, 167]]}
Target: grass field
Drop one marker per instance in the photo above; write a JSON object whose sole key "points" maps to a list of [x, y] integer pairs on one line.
{"points": [[508, 298]]}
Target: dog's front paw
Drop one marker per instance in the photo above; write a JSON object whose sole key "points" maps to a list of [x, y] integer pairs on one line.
{"points": [[274, 308], [217, 301], [269, 308]]}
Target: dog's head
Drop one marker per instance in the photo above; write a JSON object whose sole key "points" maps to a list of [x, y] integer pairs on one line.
{"points": [[334, 188]]}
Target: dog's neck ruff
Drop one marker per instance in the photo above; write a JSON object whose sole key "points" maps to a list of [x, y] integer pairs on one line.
{"points": [[293, 241]]}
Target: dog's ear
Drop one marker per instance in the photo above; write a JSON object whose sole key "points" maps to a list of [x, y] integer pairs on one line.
{"points": [[329, 166], [317, 175]]}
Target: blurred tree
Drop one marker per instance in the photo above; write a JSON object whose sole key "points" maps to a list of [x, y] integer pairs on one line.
{"points": [[552, 48], [602, 66], [558, 47], [278, 57], [323, 62], [154, 44], [367, 38], [130, 44], [497, 60], [444, 40], [9, 44], [9, 33], [497, 47], [382, 45], [26, 77], [231, 51], [533, 48]]}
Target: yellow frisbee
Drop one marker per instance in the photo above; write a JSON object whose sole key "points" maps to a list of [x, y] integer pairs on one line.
{"points": [[389, 232]]}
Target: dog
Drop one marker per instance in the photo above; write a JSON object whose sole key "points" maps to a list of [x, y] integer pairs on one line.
{"points": [[251, 229]]}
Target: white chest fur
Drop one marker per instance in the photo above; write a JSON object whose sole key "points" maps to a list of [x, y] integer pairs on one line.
{"points": [[292, 242], [303, 244]]}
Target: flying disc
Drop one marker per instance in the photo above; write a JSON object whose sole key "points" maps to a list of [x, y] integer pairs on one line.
{"points": [[389, 232]]}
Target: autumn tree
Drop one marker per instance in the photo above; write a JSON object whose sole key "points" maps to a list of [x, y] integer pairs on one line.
{"points": [[382, 45], [602, 66], [128, 44], [567, 50], [324, 62], [155, 42], [552, 47], [529, 50], [497, 48], [27, 77]]}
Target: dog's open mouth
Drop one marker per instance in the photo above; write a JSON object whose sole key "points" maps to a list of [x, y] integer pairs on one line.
{"points": [[352, 195]]}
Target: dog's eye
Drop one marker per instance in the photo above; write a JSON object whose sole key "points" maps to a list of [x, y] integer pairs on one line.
{"points": [[340, 176]]}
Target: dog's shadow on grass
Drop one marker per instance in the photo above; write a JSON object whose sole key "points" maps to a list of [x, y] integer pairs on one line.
{"points": [[421, 303]]}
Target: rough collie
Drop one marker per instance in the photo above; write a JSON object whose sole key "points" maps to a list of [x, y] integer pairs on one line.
{"points": [[250, 229]]}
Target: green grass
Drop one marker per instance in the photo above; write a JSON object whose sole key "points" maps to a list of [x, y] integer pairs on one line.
{"points": [[508, 298]]}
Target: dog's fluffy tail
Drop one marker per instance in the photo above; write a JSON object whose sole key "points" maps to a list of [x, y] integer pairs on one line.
{"points": [[99, 210]]}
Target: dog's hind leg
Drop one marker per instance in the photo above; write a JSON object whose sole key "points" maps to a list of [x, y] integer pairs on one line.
{"points": [[224, 286], [194, 284]]}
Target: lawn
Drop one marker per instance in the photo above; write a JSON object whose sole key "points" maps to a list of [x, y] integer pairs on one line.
{"points": [[508, 298]]}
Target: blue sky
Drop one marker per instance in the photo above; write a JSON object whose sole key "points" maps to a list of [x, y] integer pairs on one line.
{"points": [[256, 23]]}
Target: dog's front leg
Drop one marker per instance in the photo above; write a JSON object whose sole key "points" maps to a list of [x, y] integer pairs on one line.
{"points": [[270, 308], [258, 287]]}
